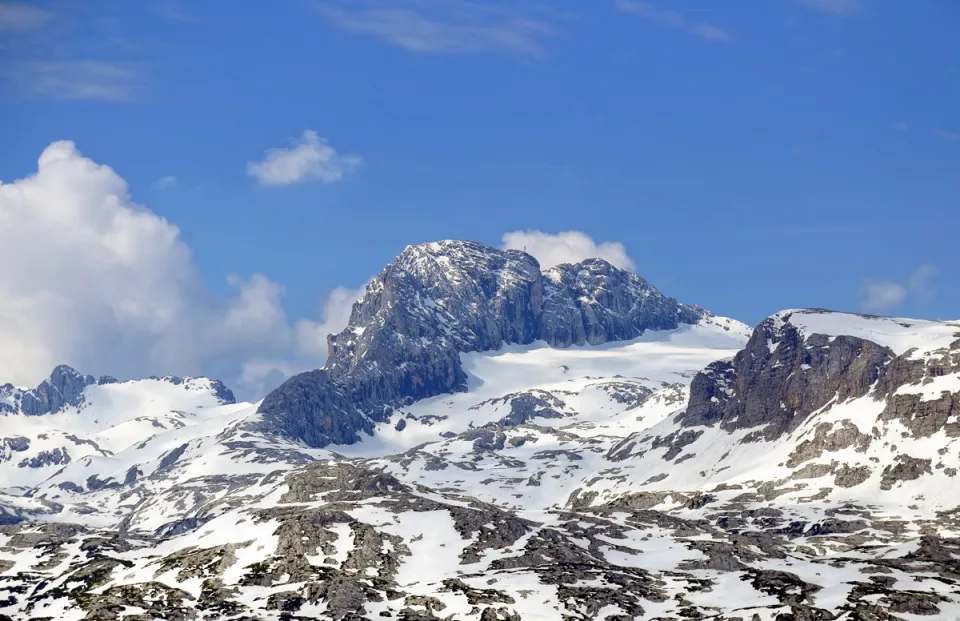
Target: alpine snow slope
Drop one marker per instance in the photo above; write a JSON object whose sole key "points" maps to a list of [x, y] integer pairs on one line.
{"points": [[489, 441]]}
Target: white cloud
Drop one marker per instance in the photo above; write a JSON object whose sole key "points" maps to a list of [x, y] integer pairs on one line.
{"points": [[886, 296], [882, 296], [262, 375], [923, 283], [948, 135], [91, 279], [444, 26], [834, 7], [709, 32], [334, 316], [73, 80], [22, 16], [567, 247], [165, 183], [172, 10], [673, 19], [309, 158]]}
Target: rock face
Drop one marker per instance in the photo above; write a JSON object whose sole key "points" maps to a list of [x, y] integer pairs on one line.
{"points": [[784, 374], [63, 388], [593, 302], [781, 377], [438, 300]]}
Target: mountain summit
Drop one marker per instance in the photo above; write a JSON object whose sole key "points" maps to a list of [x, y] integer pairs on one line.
{"points": [[440, 299]]}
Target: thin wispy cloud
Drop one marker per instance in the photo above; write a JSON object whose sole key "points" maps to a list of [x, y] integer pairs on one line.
{"points": [[172, 10], [72, 80], [949, 136], [833, 7], [674, 19], [922, 283], [309, 158], [901, 126], [19, 16], [442, 27], [883, 296], [166, 183]]}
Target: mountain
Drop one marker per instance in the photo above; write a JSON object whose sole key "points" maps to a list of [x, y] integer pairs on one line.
{"points": [[577, 446], [855, 407], [70, 416], [439, 300]]}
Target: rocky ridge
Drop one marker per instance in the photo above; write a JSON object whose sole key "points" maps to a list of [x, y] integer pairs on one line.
{"points": [[441, 299]]}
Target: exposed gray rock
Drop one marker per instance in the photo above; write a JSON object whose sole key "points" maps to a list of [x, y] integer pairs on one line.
{"points": [[593, 302], [829, 438], [526, 406], [907, 468], [53, 457], [438, 300], [16, 444], [847, 476], [63, 388], [781, 377]]}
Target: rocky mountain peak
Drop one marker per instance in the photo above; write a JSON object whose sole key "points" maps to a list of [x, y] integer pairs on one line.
{"points": [[66, 388], [440, 299]]}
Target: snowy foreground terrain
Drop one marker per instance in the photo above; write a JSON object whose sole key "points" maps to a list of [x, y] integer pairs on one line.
{"points": [[803, 470]]}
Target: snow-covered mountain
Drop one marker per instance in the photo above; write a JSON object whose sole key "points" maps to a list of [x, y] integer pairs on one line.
{"points": [[493, 441], [439, 300], [70, 416]]}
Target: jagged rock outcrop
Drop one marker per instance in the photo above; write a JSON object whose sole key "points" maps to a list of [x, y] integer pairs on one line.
{"points": [[781, 377], [785, 373], [63, 388], [593, 302], [438, 300]]}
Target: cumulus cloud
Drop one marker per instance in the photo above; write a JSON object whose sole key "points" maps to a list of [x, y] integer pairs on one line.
{"points": [[308, 158], [261, 375], [91, 279], [567, 247], [334, 316], [886, 296]]}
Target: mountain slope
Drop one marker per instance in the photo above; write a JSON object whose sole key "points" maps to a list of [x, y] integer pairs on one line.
{"points": [[71, 416], [829, 405]]}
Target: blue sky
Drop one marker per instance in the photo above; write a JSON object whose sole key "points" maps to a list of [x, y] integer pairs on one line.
{"points": [[749, 157]]}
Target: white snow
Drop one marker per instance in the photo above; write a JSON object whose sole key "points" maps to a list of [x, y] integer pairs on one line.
{"points": [[899, 334]]}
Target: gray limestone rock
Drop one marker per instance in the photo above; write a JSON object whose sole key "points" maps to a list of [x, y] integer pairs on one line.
{"points": [[781, 377], [63, 388], [438, 300]]}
